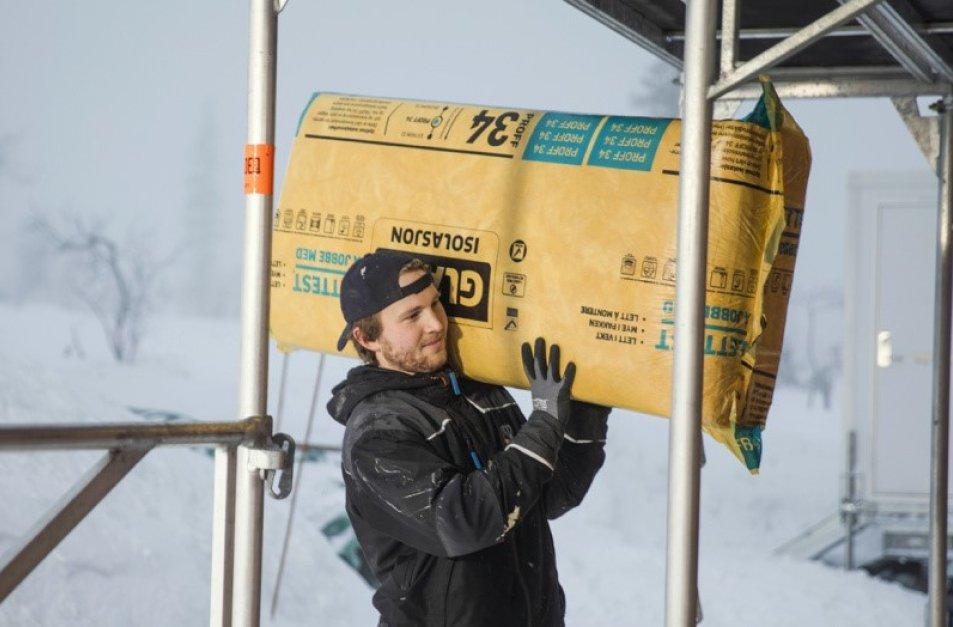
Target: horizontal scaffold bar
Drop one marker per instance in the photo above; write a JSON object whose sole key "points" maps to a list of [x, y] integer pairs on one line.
{"points": [[120, 435]]}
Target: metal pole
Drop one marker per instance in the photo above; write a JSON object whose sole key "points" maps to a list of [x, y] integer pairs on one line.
{"points": [[681, 594], [890, 40], [790, 46], [791, 84], [253, 383], [904, 43], [296, 488], [940, 434], [729, 40], [934, 28], [249, 515], [223, 537], [255, 287], [282, 385], [849, 502], [123, 435]]}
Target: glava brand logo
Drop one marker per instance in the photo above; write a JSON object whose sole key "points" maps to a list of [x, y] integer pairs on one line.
{"points": [[463, 285]]}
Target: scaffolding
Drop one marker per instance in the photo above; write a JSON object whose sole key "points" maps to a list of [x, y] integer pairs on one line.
{"points": [[249, 457], [898, 49]]}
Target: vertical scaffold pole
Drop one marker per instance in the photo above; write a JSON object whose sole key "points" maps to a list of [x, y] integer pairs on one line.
{"points": [[253, 384], [730, 10], [681, 593], [940, 432], [223, 537], [249, 515]]}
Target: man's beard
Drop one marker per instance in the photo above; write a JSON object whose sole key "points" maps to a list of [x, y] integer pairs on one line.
{"points": [[412, 360]]}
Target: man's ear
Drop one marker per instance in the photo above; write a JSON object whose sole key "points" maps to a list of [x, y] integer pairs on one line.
{"points": [[371, 345]]}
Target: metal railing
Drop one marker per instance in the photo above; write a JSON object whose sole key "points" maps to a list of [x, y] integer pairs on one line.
{"points": [[269, 458]]}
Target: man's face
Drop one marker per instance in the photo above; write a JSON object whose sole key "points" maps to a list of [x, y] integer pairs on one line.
{"points": [[413, 331]]}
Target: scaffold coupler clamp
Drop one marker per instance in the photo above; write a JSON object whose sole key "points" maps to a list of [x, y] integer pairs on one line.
{"points": [[274, 458]]}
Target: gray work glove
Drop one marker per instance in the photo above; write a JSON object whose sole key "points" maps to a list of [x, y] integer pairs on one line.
{"points": [[550, 391]]}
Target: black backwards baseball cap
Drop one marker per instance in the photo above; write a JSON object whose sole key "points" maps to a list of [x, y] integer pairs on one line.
{"points": [[372, 283]]}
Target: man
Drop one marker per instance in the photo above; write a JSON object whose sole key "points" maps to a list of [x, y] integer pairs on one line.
{"points": [[448, 486]]}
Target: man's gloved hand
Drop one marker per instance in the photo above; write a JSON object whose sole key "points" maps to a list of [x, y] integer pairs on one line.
{"points": [[550, 391]]}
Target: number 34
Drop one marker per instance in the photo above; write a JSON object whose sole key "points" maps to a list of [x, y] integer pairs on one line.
{"points": [[482, 121]]}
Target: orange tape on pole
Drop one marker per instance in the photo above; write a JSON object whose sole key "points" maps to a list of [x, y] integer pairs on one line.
{"points": [[259, 169]]}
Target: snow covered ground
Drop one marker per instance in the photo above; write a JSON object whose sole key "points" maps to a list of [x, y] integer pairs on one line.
{"points": [[142, 557]]}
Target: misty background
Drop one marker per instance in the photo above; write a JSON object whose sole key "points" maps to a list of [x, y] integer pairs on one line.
{"points": [[129, 121], [122, 128]]}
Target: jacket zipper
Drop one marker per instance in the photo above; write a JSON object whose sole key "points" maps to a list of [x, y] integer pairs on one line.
{"points": [[450, 380], [479, 466]]}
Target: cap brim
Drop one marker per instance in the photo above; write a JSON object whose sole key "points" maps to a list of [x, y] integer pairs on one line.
{"points": [[345, 336]]}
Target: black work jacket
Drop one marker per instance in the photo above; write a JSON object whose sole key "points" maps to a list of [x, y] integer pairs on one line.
{"points": [[450, 489]]}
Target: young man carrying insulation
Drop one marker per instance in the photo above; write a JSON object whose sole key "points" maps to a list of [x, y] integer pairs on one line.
{"points": [[449, 488]]}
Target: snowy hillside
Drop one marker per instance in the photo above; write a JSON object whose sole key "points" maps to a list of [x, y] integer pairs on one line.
{"points": [[142, 557]]}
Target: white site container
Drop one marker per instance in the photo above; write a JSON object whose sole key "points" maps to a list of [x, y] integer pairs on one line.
{"points": [[889, 292]]}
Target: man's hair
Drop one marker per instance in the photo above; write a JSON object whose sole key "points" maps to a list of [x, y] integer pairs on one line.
{"points": [[371, 325]]}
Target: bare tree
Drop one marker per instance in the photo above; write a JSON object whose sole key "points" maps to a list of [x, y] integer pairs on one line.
{"points": [[117, 280]]}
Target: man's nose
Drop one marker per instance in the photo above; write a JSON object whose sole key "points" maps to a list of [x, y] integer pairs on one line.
{"points": [[434, 322]]}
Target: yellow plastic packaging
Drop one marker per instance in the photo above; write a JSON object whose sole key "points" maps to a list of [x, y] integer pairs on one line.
{"points": [[556, 225]]}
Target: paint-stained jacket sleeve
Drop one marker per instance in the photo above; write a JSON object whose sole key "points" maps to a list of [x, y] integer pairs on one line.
{"points": [[580, 458], [407, 490]]}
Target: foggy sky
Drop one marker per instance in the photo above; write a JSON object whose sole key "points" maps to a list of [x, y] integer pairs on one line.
{"points": [[137, 110]]}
